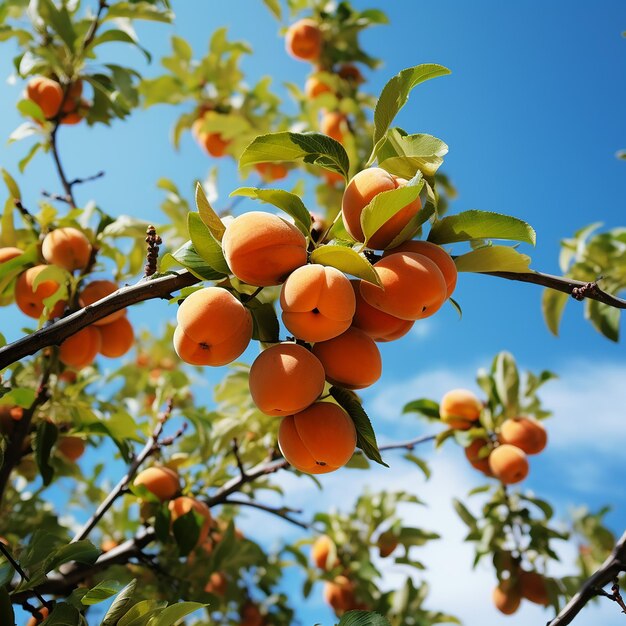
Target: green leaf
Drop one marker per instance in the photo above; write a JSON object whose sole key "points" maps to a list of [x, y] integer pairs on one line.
{"points": [[346, 260], [191, 260], [205, 244], [45, 439], [25, 160], [59, 20], [604, 318], [64, 614], [12, 186], [365, 436], [362, 618], [493, 259], [285, 146], [553, 304], [139, 11], [172, 614], [186, 529], [81, 551], [121, 36], [7, 615], [209, 216], [118, 608], [265, 322], [420, 463], [423, 406], [288, 202], [506, 379], [141, 613], [358, 461], [274, 7], [464, 514], [395, 95], [474, 224], [405, 155], [101, 592]]}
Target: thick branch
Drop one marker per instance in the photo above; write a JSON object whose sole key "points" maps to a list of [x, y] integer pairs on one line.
{"points": [[614, 564]]}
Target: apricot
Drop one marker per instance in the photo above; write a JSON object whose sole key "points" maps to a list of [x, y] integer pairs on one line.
{"points": [[527, 434], [72, 448], [66, 247], [272, 171], [333, 178], [183, 504], [351, 360], [285, 379], [318, 303], [334, 125], [8, 253], [117, 338], [108, 544], [460, 408], [533, 587], [435, 253], [76, 114], [217, 584], [81, 349], [303, 40], [351, 73], [361, 190], [251, 615], [387, 543], [47, 93], [16, 413], [315, 87], [472, 453], [506, 597], [94, 292], [31, 302], [214, 328], [378, 325], [262, 249], [34, 621], [340, 594], [508, 464], [214, 144], [320, 439], [321, 550], [162, 482], [72, 99]]}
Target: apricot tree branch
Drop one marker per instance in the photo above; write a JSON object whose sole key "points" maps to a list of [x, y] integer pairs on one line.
{"points": [[282, 512], [21, 573], [69, 196]]}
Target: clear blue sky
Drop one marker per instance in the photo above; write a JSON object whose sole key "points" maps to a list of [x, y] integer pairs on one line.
{"points": [[533, 114]]}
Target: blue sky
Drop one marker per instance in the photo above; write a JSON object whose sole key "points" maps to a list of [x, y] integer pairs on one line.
{"points": [[533, 114]]}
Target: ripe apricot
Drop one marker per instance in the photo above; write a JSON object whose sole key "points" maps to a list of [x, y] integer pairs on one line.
{"points": [[321, 549], [378, 325], [31, 302], [472, 453], [108, 544], [340, 594], [72, 99], [506, 597], [251, 615], [508, 464], [95, 291], [351, 73], [303, 40], [285, 379], [527, 434], [16, 413], [217, 584], [76, 114], [387, 543], [434, 253], [361, 190], [318, 303], [272, 171], [81, 349], [334, 125], [72, 448], [34, 621], [315, 87], [533, 587], [351, 360], [8, 253], [117, 338], [320, 439], [460, 408], [47, 93], [333, 178], [183, 504], [66, 247], [262, 249], [214, 328], [160, 481], [214, 144]]}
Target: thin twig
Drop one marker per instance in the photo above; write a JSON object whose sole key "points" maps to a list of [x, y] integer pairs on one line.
{"points": [[22, 574], [235, 448], [278, 511], [69, 196], [86, 179]]}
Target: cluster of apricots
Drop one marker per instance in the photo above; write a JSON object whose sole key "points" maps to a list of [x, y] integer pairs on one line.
{"points": [[70, 249], [335, 322], [55, 101], [521, 584], [504, 454]]}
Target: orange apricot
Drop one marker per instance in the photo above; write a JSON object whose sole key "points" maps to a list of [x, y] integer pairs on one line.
{"points": [[117, 338], [323, 547], [508, 464], [333, 178], [217, 584], [262, 249], [31, 302], [320, 439], [506, 597], [527, 434], [378, 325], [285, 379], [340, 594], [533, 587], [214, 144], [387, 543], [251, 615], [16, 413], [351, 360], [361, 190], [334, 125], [8, 253], [47, 93], [81, 349], [162, 482], [71, 448], [315, 87], [473, 455], [66, 247], [272, 171], [460, 408], [95, 291], [108, 544], [318, 303], [76, 114], [303, 40], [434, 253], [73, 97], [214, 328], [183, 504], [34, 621]]}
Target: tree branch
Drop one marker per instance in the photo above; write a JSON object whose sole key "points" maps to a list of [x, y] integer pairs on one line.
{"points": [[278, 511]]}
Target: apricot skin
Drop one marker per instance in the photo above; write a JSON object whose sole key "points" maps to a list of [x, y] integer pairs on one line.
{"points": [[182, 505], [460, 408], [506, 598], [472, 453], [217, 584], [361, 190], [31, 302], [315, 87], [332, 124], [81, 349], [71, 448], [378, 325], [351, 360], [8, 253], [339, 594], [528, 435], [47, 93], [262, 249], [435, 253], [320, 550], [251, 615], [214, 328], [160, 481], [271, 171], [33, 621], [285, 379], [95, 291], [303, 40], [413, 287], [533, 588], [66, 247], [117, 338], [508, 464], [318, 303], [318, 440]]}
